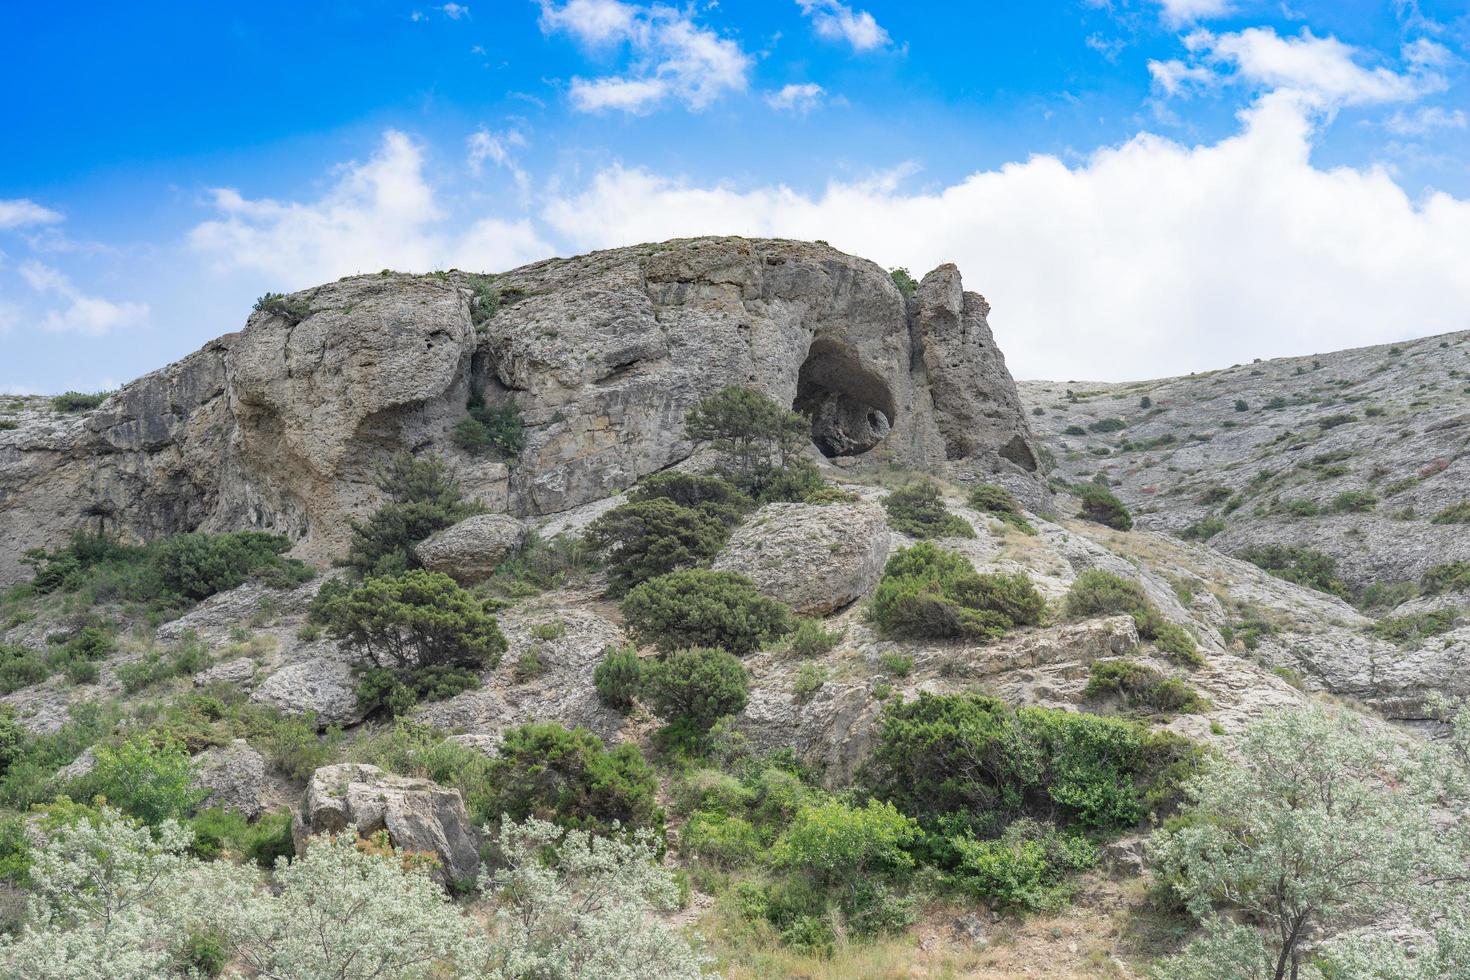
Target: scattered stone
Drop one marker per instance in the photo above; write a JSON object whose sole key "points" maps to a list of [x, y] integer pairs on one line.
{"points": [[234, 774], [471, 550], [238, 672], [321, 686]]}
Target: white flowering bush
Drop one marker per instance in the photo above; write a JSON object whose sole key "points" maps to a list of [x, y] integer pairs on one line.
{"points": [[1322, 826], [575, 906]]}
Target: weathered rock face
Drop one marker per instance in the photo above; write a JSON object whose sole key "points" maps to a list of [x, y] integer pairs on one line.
{"points": [[816, 559], [283, 425], [234, 775], [471, 550], [419, 814]]}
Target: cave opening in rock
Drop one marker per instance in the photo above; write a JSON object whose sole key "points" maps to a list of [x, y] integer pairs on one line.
{"points": [[850, 407]]}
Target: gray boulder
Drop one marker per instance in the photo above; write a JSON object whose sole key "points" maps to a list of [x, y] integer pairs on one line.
{"points": [[419, 815], [321, 686], [234, 774], [471, 550], [816, 559]]}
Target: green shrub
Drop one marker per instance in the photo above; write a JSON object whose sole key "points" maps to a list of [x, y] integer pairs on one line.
{"points": [[647, 538], [999, 503], [384, 692], [811, 638], [970, 761], [897, 664], [269, 838], [12, 739], [205, 953], [717, 497], [1304, 566], [1203, 529], [1453, 576], [77, 401], [618, 677], [905, 282], [79, 656], [696, 687], [834, 842], [1140, 686], [1025, 868], [570, 778], [926, 592], [756, 438], [1241, 405], [289, 308], [1453, 514], [1301, 507], [720, 839], [918, 511], [1101, 506], [1333, 421], [699, 608], [1354, 502], [809, 680], [1107, 425], [423, 497], [1414, 629], [1074, 430], [20, 668], [150, 778], [491, 428], [1100, 593], [199, 565], [415, 620]]}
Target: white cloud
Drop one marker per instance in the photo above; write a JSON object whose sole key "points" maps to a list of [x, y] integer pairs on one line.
{"points": [[90, 316], [1322, 69], [836, 21], [382, 213], [1173, 76], [1149, 258], [484, 145], [796, 99], [455, 11], [22, 212], [673, 58], [1177, 12], [1425, 120]]}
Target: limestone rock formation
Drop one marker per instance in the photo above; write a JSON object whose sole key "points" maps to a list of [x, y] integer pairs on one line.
{"points": [[234, 775], [816, 559], [283, 425], [321, 686], [471, 550], [419, 815]]}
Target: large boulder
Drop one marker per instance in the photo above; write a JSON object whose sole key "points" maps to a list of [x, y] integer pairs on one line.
{"points": [[234, 775], [815, 558], [321, 686], [419, 815], [471, 550]]}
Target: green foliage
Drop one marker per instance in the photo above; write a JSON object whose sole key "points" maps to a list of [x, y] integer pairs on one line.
{"points": [[570, 778], [497, 428], [811, 638], [1140, 686], [1099, 593], [1458, 513], [618, 677], [383, 692], [20, 667], [696, 687], [1354, 502], [78, 656], [1415, 628], [904, 281], [199, 565], [1203, 529], [1100, 505], [644, 539], [927, 592], [1304, 566], [423, 497], [999, 503], [415, 620], [835, 842], [12, 739], [205, 953], [288, 308], [145, 777], [1024, 868], [720, 839], [698, 608], [897, 664], [710, 493], [1333, 421], [1452, 576], [756, 437], [1107, 425], [1145, 402], [78, 401], [918, 511], [809, 680], [1241, 405], [486, 299], [968, 760], [1074, 430], [156, 666]]}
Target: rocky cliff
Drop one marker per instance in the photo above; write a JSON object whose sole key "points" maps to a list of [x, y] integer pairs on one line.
{"points": [[282, 425]]}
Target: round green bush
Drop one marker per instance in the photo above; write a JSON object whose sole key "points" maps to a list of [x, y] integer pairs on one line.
{"points": [[918, 511], [697, 687], [414, 620], [1101, 506], [929, 593], [648, 538], [618, 677], [699, 608]]}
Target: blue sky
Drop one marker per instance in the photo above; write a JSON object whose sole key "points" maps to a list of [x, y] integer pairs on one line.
{"points": [[1139, 187]]}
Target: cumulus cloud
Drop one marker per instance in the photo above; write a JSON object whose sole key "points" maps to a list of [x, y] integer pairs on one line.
{"points": [[1425, 120], [22, 212], [1177, 12], [382, 213], [484, 145], [1322, 69], [672, 57], [455, 11], [1148, 258], [90, 316], [836, 21], [796, 99]]}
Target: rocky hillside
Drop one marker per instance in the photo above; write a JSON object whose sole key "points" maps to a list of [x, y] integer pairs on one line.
{"points": [[282, 425], [1363, 454]]}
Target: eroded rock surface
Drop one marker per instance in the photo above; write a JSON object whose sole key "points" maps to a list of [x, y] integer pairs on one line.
{"points": [[234, 775], [471, 550]]}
